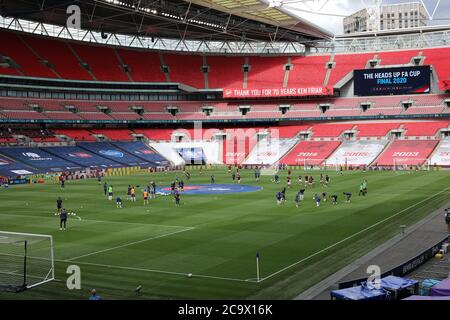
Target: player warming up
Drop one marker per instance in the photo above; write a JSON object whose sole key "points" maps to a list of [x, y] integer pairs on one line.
{"points": [[118, 203], [145, 196], [348, 196], [177, 198], [63, 219], [334, 198]]}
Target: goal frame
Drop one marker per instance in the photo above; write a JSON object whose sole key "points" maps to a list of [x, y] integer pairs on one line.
{"points": [[51, 274]]}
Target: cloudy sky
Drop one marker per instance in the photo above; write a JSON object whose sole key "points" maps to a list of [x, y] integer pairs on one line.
{"points": [[332, 10]]}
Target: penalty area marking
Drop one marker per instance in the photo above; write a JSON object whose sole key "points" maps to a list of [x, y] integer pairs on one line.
{"points": [[129, 244], [352, 236]]}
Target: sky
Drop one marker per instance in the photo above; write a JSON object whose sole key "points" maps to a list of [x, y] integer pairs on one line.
{"points": [[331, 10]]}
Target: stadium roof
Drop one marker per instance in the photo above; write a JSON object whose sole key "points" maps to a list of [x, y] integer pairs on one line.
{"points": [[211, 20]]}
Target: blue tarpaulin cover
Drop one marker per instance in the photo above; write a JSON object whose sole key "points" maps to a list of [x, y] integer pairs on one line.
{"points": [[140, 150], [396, 283], [12, 168], [360, 293], [81, 157], [113, 153], [39, 159]]}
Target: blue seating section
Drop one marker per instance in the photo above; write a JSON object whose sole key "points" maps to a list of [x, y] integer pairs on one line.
{"points": [[142, 151], [12, 168], [82, 157], [113, 153], [94, 155], [39, 159]]}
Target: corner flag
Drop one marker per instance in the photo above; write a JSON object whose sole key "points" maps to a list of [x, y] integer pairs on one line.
{"points": [[257, 266]]}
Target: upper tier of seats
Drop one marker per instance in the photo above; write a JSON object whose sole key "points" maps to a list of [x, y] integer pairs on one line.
{"points": [[18, 108], [315, 131], [38, 56]]}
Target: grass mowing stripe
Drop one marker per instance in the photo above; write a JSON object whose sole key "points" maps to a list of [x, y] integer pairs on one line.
{"points": [[97, 221], [130, 244], [352, 236]]}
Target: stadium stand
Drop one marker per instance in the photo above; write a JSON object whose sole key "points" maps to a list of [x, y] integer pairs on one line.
{"points": [[375, 129], [266, 72], [308, 71], [310, 153], [39, 159], [330, 130], [407, 152], [182, 65], [76, 134], [28, 64], [114, 134], [424, 128], [107, 64], [102, 62], [81, 157], [143, 66], [156, 134], [346, 63], [225, 72], [60, 57]]}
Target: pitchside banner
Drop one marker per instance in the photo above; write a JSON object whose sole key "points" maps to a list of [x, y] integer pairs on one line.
{"points": [[387, 81], [278, 92]]}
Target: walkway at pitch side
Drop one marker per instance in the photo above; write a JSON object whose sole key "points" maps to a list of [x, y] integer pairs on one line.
{"points": [[403, 247]]}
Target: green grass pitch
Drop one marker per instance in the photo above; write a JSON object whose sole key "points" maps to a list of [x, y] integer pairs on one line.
{"points": [[215, 237]]}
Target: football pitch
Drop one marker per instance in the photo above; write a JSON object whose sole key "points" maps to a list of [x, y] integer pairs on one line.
{"points": [[215, 237]]}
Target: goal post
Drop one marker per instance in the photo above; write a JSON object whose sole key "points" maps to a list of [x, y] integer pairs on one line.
{"points": [[405, 164], [26, 260]]}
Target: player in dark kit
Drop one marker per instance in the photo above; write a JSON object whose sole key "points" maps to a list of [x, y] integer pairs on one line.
{"points": [[59, 204], [213, 179], [348, 195], [283, 192], [276, 178], [62, 219], [279, 197], [153, 189], [105, 188], [334, 198], [177, 198], [129, 192]]}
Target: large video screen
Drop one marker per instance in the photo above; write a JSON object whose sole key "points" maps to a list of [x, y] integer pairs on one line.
{"points": [[387, 81]]}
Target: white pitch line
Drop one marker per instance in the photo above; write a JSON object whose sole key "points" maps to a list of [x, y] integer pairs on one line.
{"points": [[350, 237], [130, 244], [98, 221], [156, 271]]}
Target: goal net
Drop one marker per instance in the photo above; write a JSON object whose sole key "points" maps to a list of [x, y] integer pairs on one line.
{"points": [[269, 170], [403, 164], [26, 260]]}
